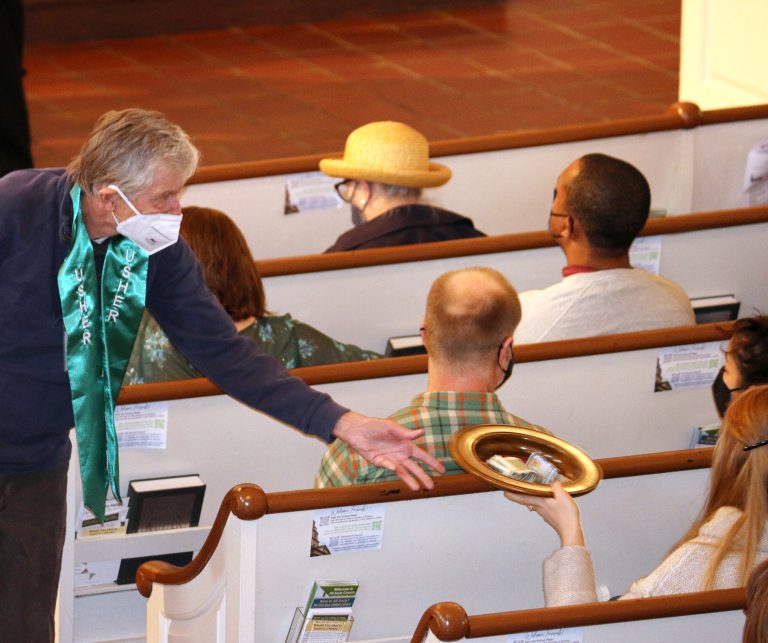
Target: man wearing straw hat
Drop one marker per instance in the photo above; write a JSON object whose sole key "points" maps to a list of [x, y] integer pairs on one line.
{"points": [[385, 166]]}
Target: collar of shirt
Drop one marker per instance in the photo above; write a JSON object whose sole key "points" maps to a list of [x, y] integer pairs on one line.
{"points": [[574, 270]]}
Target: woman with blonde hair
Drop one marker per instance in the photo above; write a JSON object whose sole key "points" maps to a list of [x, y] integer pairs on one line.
{"points": [[720, 548], [230, 273]]}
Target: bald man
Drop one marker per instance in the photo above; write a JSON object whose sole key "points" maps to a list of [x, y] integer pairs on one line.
{"points": [[467, 329]]}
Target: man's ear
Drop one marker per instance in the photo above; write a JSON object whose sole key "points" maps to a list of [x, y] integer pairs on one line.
{"points": [[105, 199], [506, 354], [569, 228]]}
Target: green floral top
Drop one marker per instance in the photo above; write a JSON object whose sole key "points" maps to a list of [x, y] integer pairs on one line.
{"points": [[294, 343]]}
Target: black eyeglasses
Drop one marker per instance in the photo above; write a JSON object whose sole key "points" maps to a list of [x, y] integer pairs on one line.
{"points": [[762, 443], [345, 190]]}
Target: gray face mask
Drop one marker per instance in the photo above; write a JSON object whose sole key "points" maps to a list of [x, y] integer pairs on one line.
{"points": [[357, 215]]}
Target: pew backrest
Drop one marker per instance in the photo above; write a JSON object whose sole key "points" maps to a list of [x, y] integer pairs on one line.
{"points": [[505, 182], [707, 616], [367, 305]]}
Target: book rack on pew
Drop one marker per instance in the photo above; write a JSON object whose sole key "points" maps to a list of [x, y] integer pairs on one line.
{"points": [[679, 115], [245, 504], [512, 242], [450, 621], [694, 250], [409, 365]]}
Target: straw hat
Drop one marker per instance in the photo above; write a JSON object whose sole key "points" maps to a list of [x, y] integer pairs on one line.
{"points": [[387, 152]]}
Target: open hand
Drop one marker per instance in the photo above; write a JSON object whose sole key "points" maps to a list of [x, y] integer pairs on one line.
{"points": [[386, 444], [560, 512]]}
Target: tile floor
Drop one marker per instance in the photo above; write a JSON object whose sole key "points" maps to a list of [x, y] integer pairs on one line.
{"points": [[264, 91]]}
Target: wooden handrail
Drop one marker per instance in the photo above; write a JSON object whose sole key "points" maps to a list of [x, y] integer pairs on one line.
{"points": [[414, 364], [248, 501], [678, 116], [497, 243], [450, 622]]}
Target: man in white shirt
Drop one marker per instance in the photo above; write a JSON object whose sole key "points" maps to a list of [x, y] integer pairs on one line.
{"points": [[600, 205]]}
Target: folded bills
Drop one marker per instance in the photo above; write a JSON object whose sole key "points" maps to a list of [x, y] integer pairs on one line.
{"points": [[535, 469]]}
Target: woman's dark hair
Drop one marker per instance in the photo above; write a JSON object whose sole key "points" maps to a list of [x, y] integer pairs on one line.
{"points": [[749, 348], [227, 262]]}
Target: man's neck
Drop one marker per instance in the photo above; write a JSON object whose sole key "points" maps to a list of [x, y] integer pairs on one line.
{"points": [[445, 379], [380, 205], [586, 258]]}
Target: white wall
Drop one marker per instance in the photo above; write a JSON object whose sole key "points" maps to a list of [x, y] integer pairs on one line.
{"points": [[722, 53]]}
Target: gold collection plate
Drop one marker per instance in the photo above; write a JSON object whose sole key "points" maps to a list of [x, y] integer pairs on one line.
{"points": [[471, 447]]}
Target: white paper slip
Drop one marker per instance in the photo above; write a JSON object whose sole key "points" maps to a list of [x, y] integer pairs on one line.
{"points": [[98, 573], [756, 174], [142, 426], [559, 635], [311, 191], [115, 520], [645, 253], [345, 529], [691, 366]]}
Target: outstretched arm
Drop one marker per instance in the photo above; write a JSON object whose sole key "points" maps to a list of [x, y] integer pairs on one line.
{"points": [[386, 444], [568, 576], [560, 512]]}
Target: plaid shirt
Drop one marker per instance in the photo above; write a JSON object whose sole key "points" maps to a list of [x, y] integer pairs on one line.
{"points": [[440, 414]]}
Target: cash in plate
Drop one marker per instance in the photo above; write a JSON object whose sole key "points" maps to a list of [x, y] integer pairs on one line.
{"points": [[471, 447]]}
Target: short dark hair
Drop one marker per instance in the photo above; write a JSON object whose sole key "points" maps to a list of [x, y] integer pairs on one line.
{"points": [[749, 348], [611, 199]]}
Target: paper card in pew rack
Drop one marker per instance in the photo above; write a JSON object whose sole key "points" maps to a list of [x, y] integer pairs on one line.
{"points": [[705, 436], [165, 503], [331, 597]]}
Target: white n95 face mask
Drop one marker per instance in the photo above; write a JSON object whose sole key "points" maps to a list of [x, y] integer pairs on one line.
{"points": [[152, 232]]}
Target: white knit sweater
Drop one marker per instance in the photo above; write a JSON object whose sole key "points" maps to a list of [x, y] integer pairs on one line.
{"points": [[569, 577]]}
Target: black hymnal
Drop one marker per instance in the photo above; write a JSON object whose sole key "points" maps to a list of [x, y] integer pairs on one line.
{"points": [[164, 503], [157, 504], [127, 572], [715, 309], [405, 345]]}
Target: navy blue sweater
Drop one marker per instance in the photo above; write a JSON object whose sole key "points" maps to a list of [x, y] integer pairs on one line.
{"points": [[35, 406]]}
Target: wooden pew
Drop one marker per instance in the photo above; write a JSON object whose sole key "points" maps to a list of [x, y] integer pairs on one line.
{"points": [[226, 442], [722, 619], [613, 412], [254, 568], [674, 150], [710, 253]]}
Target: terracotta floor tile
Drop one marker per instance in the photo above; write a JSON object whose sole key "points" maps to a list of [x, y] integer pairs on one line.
{"points": [[504, 55], [300, 38], [438, 32], [264, 88]]}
